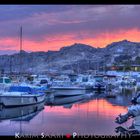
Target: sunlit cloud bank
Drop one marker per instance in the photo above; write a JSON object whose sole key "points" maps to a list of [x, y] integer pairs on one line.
{"points": [[50, 27]]}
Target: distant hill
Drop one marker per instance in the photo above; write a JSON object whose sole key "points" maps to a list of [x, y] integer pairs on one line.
{"points": [[122, 51], [8, 52], [77, 57]]}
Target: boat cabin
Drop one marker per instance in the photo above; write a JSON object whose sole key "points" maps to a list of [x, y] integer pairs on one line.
{"points": [[5, 80]]}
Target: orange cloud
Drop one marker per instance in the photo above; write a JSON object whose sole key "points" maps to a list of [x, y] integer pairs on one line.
{"points": [[55, 42]]}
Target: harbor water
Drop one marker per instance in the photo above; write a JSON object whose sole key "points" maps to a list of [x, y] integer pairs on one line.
{"points": [[91, 114]]}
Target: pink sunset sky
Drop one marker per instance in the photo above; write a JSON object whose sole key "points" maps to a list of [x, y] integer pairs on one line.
{"points": [[50, 27]]}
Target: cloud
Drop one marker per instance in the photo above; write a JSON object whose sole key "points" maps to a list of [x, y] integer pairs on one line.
{"points": [[58, 25], [59, 40]]}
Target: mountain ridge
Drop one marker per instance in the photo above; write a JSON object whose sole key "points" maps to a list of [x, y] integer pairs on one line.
{"points": [[76, 57]]}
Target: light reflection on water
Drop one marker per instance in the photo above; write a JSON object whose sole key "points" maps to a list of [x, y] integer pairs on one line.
{"points": [[86, 116]]}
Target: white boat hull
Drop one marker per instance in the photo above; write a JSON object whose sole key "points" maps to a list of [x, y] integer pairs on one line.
{"points": [[68, 93], [68, 88], [10, 100]]}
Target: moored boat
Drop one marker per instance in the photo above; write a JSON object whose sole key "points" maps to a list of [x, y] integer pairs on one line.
{"points": [[21, 96], [133, 130], [64, 85], [68, 93]]}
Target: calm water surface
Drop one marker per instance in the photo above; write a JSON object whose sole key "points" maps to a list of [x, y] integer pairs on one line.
{"points": [[84, 114]]}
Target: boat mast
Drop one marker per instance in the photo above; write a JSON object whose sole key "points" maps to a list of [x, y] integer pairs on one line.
{"points": [[10, 65], [20, 51], [21, 74], [20, 38]]}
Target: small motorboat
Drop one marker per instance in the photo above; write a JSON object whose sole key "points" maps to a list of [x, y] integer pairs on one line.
{"points": [[127, 131], [133, 130], [21, 96], [133, 111]]}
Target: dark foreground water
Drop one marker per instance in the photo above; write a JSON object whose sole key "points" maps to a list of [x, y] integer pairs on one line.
{"points": [[86, 114]]}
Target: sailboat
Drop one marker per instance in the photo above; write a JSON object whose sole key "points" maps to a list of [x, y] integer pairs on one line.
{"points": [[21, 95]]}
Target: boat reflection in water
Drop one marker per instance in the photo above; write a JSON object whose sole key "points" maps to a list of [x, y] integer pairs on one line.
{"points": [[84, 114], [21, 113], [84, 117], [63, 101]]}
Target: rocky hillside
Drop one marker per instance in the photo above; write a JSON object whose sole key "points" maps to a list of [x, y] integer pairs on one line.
{"points": [[123, 51], [77, 57]]}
